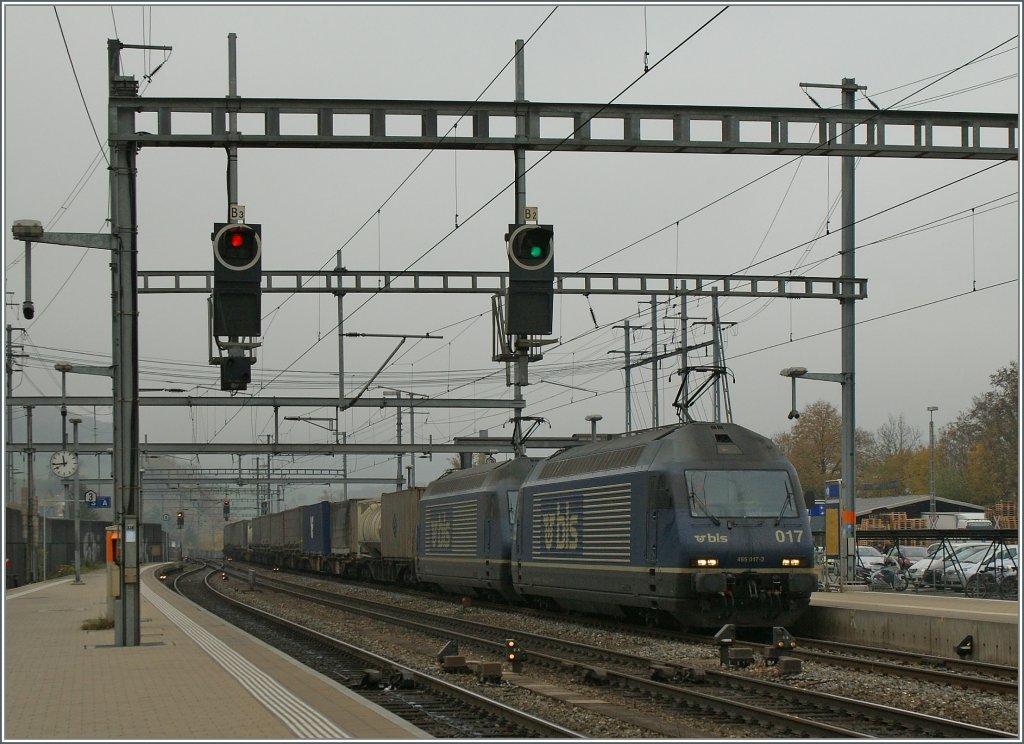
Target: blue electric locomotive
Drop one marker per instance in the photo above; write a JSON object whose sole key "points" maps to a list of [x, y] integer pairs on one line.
{"points": [[465, 529], [704, 523]]}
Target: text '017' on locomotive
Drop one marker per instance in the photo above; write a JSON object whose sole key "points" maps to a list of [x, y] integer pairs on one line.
{"points": [[695, 524]]}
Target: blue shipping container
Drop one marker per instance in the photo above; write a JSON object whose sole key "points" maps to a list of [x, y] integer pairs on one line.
{"points": [[316, 528]]}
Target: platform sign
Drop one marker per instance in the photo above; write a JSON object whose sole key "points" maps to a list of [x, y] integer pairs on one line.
{"points": [[96, 502]]}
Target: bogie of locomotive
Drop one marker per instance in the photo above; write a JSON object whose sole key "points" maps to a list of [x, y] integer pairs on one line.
{"points": [[698, 524]]}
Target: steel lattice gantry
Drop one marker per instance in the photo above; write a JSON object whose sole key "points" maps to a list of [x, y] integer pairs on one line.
{"points": [[683, 129], [495, 282]]}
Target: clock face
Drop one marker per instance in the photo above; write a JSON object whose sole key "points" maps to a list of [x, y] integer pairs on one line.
{"points": [[64, 463]]}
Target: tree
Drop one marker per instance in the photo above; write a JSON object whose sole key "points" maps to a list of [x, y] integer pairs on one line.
{"points": [[813, 446], [895, 457], [979, 450], [897, 437]]}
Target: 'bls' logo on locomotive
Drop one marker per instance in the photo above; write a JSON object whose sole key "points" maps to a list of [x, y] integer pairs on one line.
{"points": [[439, 531], [711, 538], [561, 529]]}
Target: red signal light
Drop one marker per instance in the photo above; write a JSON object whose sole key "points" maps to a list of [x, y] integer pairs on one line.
{"points": [[236, 240]]}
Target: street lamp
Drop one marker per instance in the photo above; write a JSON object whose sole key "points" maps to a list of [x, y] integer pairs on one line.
{"points": [[847, 467], [931, 463]]}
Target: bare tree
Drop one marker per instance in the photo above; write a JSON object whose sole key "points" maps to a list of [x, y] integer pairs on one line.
{"points": [[896, 437]]}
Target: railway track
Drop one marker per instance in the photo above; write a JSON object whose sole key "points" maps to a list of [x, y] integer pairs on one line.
{"points": [[435, 706], [971, 675], [785, 709]]}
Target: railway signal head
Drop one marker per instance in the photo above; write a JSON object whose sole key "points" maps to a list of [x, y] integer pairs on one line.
{"points": [[531, 247], [531, 275], [237, 247], [181, 519], [227, 509], [512, 651], [237, 274]]}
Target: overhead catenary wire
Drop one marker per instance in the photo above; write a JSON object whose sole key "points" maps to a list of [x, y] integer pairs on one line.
{"points": [[795, 159], [429, 250]]}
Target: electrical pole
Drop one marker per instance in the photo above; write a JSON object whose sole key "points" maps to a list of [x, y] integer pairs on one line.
{"points": [[9, 370], [398, 440], [30, 503], [521, 362], [628, 367], [77, 501], [124, 296], [654, 361], [847, 307], [848, 319]]}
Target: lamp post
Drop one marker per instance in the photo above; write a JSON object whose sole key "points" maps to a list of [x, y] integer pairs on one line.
{"points": [[847, 497], [76, 499], [931, 463]]}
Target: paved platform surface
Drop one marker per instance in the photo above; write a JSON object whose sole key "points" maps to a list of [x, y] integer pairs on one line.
{"points": [[191, 677], [934, 624]]}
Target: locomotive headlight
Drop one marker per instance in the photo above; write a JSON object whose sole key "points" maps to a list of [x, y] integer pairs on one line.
{"points": [[793, 562], [704, 562]]}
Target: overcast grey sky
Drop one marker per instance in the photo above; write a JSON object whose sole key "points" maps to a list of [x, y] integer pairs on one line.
{"points": [[942, 312]]}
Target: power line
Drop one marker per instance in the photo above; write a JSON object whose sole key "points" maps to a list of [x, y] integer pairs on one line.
{"points": [[79, 84]]}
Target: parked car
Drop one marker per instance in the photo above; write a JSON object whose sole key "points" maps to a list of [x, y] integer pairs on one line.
{"points": [[907, 555], [930, 570], [995, 559]]}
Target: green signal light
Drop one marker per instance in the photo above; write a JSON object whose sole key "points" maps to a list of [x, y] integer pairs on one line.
{"points": [[536, 251]]}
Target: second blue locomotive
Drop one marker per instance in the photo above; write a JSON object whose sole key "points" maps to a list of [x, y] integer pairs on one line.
{"points": [[698, 524]]}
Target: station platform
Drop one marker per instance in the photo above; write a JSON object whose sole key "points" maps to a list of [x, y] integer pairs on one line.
{"points": [[933, 624], [191, 677]]}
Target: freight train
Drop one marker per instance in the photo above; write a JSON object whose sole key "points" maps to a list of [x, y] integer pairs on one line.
{"points": [[694, 524]]}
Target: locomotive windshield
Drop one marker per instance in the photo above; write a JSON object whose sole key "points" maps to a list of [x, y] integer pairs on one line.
{"points": [[731, 494]]}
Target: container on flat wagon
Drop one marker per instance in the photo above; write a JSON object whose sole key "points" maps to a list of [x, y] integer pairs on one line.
{"points": [[292, 529], [260, 532], [275, 533], [340, 534], [398, 515], [316, 528], [364, 519], [355, 527]]}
